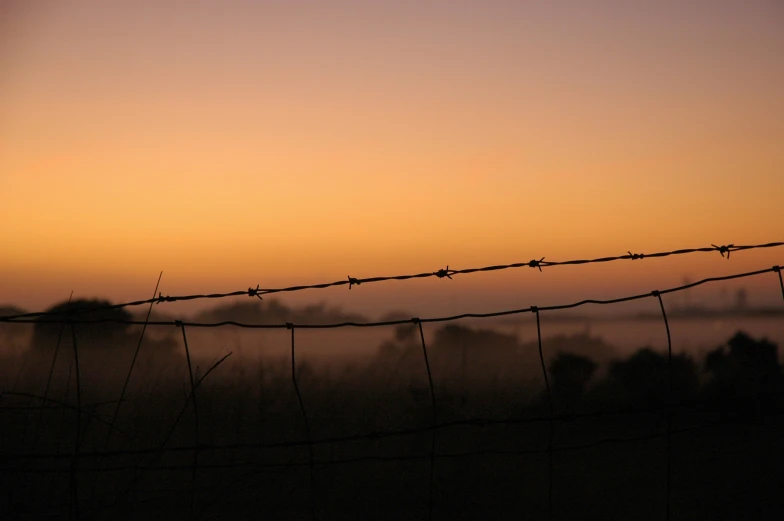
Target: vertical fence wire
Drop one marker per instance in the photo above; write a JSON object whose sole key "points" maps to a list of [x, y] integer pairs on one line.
{"points": [[49, 380], [290, 326], [124, 389], [130, 369], [64, 411], [15, 386], [61, 428], [434, 419], [75, 460], [80, 429], [551, 433], [37, 434], [668, 405], [195, 422]]}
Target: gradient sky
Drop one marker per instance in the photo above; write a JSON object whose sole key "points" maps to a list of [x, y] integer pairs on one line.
{"points": [[236, 143]]}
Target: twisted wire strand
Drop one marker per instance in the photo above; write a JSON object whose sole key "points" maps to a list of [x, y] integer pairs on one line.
{"points": [[440, 273]]}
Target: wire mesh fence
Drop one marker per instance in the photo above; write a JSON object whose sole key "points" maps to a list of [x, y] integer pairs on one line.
{"points": [[192, 474]]}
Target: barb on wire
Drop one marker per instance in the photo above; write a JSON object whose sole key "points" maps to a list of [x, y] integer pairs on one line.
{"points": [[160, 299], [335, 325], [441, 273], [444, 272], [255, 292], [538, 263], [724, 249]]}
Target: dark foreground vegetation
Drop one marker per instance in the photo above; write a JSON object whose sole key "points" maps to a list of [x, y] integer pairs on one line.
{"points": [[628, 436]]}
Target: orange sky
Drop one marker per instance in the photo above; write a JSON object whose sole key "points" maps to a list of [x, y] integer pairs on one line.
{"points": [[236, 143]]}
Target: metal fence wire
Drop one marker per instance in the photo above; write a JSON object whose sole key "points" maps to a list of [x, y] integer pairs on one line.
{"points": [[84, 467]]}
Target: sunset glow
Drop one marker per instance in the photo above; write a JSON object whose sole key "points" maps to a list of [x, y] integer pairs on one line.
{"points": [[240, 143]]}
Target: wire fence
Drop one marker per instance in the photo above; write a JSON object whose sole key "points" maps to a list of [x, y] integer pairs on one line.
{"points": [[79, 462], [440, 273]]}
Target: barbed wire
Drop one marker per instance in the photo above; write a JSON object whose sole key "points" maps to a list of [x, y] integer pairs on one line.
{"points": [[417, 321], [76, 457], [396, 322], [440, 273]]}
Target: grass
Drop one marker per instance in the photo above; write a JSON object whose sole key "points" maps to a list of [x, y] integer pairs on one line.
{"points": [[724, 452]]}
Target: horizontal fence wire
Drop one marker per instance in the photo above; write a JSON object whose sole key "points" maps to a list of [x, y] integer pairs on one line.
{"points": [[440, 273], [335, 325], [338, 461], [76, 462], [480, 422]]}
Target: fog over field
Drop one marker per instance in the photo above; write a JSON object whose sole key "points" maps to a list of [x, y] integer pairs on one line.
{"points": [[373, 388]]}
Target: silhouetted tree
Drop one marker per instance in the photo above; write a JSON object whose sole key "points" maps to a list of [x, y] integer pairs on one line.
{"points": [[46, 332], [643, 378], [106, 348], [582, 344], [9, 332], [749, 369], [570, 375], [405, 332], [10, 310], [273, 312]]}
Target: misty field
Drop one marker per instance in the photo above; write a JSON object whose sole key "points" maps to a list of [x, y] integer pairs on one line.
{"points": [[242, 448]]}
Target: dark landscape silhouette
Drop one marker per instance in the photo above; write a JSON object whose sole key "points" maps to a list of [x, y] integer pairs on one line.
{"points": [[370, 425]]}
